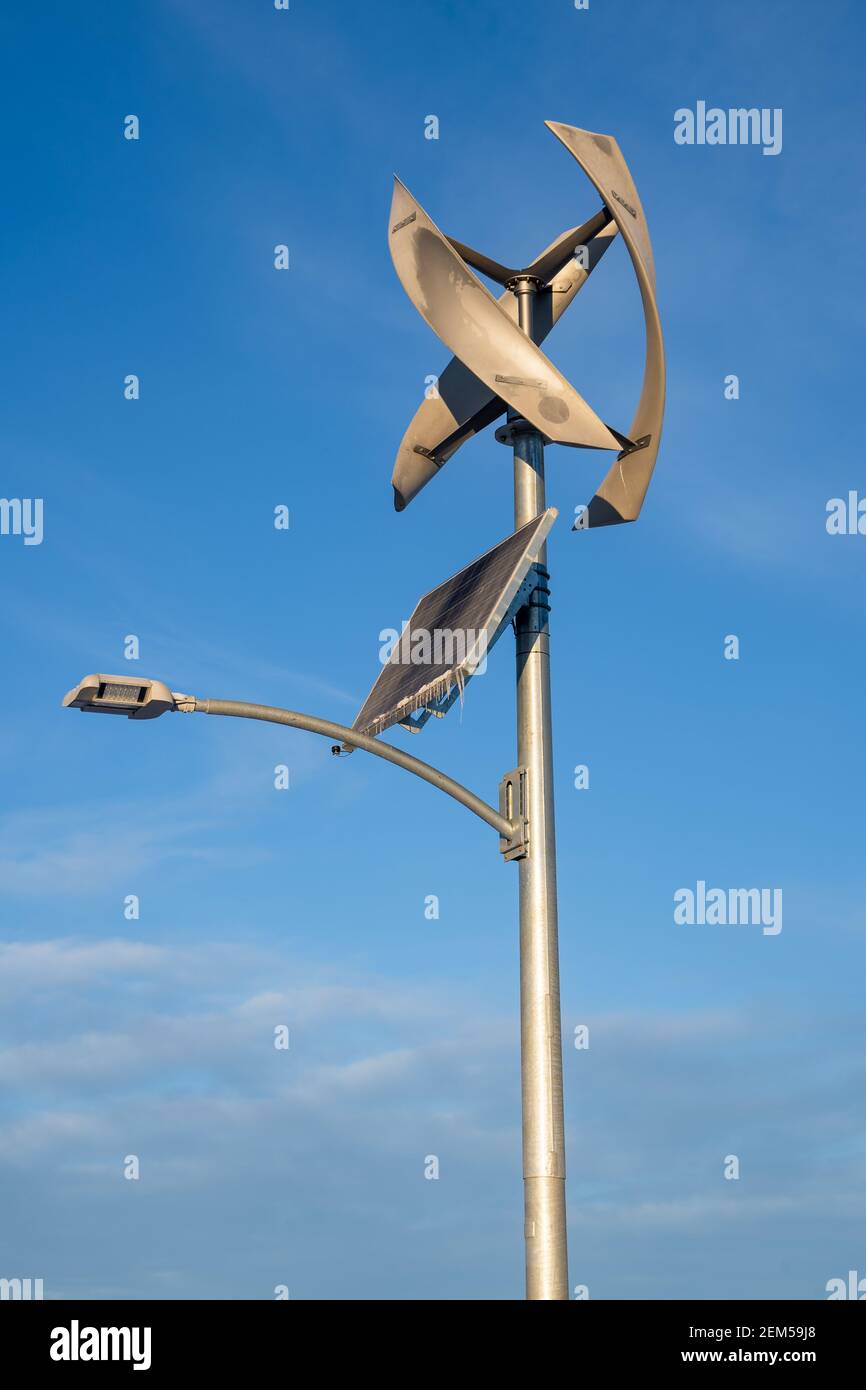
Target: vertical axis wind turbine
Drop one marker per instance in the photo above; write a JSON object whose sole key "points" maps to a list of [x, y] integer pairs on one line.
{"points": [[499, 369]]}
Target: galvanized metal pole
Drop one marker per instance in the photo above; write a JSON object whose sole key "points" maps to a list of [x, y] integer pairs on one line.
{"points": [[540, 1025]]}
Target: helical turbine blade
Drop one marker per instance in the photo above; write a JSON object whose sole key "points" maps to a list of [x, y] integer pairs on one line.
{"points": [[461, 404], [479, 331], [621, 495]]}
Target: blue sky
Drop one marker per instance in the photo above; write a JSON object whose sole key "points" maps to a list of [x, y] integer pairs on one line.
{"points": [[306, 908]]}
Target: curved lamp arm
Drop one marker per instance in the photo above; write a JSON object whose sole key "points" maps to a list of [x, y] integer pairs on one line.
{"points": [[239, 709]]}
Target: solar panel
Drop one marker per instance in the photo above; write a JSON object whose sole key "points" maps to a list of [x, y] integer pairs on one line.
{"points": [[452, 629]]}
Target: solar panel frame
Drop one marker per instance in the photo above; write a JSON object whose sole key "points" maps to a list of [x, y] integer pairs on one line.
{"points": [[477, 602]]}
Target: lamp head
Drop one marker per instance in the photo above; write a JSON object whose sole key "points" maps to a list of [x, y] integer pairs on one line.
{"points": [[134, 697]]}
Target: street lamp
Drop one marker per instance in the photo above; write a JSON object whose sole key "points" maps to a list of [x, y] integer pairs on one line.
{"points": [[498, 370], [136, 699]]}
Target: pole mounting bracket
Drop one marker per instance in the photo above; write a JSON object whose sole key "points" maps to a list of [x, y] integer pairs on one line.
{"points": [[513, 805]]}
